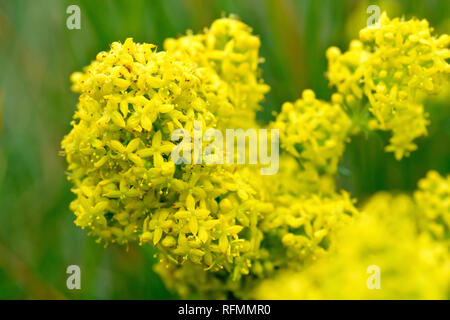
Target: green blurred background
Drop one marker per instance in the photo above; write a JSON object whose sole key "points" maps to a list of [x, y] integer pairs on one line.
{"points": [[38, 239]]}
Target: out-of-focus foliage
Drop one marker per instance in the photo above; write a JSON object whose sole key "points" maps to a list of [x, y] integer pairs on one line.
{"points": [[38, 53]]}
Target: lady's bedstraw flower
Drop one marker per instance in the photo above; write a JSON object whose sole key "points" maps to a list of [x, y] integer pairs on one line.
{"points": [[314, 132], [388, 72], [230, 52], [132, 98]]}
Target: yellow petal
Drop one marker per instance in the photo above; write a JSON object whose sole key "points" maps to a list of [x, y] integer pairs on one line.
{"points": [[223, 243], [117, 146], [193, 225], [133, 145], [145, 153], [117, 119], [190, 202], [157, 235]]}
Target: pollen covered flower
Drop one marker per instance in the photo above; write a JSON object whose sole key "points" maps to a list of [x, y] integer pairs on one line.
{"points": [[230, 52], [314, 132], [388, 72]]}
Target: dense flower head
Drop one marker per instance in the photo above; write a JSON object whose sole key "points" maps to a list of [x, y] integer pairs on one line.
{"points": [[388, 72], [314, 132], [132, 98], [411, 264], [231, 53], [217, 218]]}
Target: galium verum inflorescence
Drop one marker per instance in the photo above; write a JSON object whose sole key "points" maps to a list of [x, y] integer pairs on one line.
{"points": [[223, 229]]}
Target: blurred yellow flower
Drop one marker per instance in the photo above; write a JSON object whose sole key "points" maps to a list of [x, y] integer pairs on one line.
{"points": [[411, 264]]}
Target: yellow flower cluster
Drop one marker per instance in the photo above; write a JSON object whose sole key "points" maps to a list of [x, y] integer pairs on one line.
{"points": [[230, 53], [290, 237], [433, 200], [227, 231], [388, 72], [411, 265], [314, 132]]}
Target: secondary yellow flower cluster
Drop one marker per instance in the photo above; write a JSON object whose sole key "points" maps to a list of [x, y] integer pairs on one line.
{"points": [[129, 190], [231, 53], [411, 264], [314, 132], [389, 71]]}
